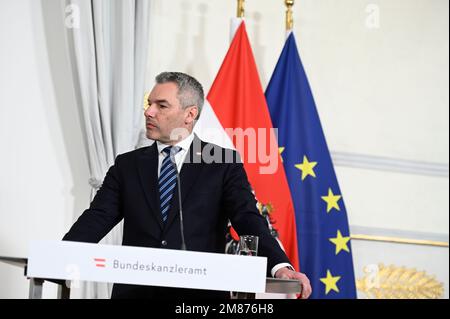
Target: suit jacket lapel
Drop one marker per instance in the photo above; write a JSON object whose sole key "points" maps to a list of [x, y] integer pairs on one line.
{"points": [[148, 174]]}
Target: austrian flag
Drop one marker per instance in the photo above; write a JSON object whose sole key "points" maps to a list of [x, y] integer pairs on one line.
{"points": [[239, 105]]}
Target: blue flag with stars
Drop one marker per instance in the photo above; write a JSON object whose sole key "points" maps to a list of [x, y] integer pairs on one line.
{"points": [[322, 226]]}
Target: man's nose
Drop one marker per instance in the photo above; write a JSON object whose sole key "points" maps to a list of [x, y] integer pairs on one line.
{"points": [[150, 111]]}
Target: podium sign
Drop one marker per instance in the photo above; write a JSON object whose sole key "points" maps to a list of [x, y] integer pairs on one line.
{"points": [[146, 266]]}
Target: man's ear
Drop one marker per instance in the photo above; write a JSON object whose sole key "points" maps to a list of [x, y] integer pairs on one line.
{"points": [[192, 113]]}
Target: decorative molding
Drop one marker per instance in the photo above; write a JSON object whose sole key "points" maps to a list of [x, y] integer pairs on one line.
{"points": [[399, 240], [398, 236], [390, 164]]}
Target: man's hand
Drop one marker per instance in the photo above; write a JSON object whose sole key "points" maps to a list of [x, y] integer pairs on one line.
{"points": [[286, 273]]}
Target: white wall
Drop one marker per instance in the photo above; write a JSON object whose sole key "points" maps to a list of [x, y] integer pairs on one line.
{"points": [[380, 92], [388, 84], [44, 173]]}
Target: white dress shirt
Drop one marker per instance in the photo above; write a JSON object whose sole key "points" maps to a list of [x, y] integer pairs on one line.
{"points": [[180, 156]]}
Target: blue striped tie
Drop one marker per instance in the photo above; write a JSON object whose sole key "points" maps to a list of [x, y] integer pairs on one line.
{"points": [[167, 181]]}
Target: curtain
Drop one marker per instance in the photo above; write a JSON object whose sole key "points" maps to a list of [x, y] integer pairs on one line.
{"points": [[108, 50]]}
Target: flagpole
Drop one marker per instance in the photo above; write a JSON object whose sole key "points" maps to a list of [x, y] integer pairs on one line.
{"points": [[240, 8], [236, 22], [289, 17]]}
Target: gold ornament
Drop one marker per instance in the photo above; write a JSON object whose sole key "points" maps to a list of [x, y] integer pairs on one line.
{"points": [[240, 9], [289, 16], [381, 282], [261, 207]]}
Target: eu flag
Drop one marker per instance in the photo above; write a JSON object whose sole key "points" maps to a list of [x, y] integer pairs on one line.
{"points": [[320, 214]]}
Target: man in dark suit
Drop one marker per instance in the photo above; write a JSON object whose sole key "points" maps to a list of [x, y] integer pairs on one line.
{"points": [[140, 188]]}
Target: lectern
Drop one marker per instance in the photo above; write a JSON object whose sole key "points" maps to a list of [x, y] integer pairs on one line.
{"points": [[35, 290], [55, 262]]}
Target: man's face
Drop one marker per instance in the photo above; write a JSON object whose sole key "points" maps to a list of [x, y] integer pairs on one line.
{"points": [[165, 115]]}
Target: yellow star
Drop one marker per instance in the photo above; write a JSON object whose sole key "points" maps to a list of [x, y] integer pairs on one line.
{"points": [[281, 150], [330, 282], [332, 200], [340, 242], [306, 167]]}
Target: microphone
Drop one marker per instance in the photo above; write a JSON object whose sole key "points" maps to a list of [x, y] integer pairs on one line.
{"points": [[172, 159]]}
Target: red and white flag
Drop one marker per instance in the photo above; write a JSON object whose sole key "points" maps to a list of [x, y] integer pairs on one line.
{"points": [[238, 117]]}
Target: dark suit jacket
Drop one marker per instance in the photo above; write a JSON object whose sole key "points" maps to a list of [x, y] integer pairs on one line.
{"points": [[212, 194]]}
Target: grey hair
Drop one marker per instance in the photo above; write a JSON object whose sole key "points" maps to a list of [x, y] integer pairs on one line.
{"points": [[190, 91]]}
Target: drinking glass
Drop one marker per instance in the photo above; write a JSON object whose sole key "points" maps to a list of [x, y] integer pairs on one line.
{"points": [[248, 245]]}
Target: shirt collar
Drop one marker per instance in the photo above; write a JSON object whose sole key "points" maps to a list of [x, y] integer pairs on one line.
{"points": [[185, 144]]}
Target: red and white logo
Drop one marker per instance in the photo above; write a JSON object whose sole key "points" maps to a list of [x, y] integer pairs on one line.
{"points": [[100, 262]]}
